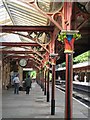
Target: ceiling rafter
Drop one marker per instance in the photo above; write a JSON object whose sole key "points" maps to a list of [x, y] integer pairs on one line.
{"points": [[21, 52], [35, 58], [37, 67], [33, 39], [28, 59], [33, 65], [31, 56], [35, 61], [22, 44], [28, 56], [44, 46], [15, 52], [35, 52]]}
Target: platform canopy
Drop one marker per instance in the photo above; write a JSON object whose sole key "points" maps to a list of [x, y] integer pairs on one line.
{"points": [[26, 28]]}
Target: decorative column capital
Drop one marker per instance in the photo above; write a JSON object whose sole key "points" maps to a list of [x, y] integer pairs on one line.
{"points": [[69, 36], [47, 64], [53, 58]]}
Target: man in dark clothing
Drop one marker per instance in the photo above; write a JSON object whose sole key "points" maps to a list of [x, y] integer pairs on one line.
{"points": [[28, 83]]}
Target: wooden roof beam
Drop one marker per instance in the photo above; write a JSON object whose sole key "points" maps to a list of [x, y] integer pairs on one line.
{"points": [[15, 52], [11, 28], [20, 57], [18, 44]]}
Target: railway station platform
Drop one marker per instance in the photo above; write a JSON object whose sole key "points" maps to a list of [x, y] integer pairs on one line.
{"points": [[34, 105]]}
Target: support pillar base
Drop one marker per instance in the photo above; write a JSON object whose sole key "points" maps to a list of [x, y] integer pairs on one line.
{"points": [[44, 92], [52, 107], [47, 96]]}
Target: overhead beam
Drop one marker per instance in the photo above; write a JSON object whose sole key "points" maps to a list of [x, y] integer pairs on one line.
{"points": [[20, 57], [18, 44], [10, 28], [19, 52], [16, 56], [15, 52], [33, 39], [26, 57]]}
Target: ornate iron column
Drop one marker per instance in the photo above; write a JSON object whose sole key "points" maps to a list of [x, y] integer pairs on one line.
{"points": [[68, 90], [41, 74], [48, 66], [69, 38], [45, 84], [53, 60]]}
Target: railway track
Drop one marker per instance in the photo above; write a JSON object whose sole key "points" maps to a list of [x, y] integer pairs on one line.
{"points": [[81, 93]]}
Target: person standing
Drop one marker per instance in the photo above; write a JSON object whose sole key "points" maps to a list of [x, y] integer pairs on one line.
{"points": [[28, 83], [85, 78], [76, 77], [16, 84]]}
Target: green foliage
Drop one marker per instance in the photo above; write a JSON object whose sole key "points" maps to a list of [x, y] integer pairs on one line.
{"points": [[63, 64], [33, 74], [50, 76], [62, 36], [77, 36], [40, 71], [47, 63], [44, 67], [82, 58]]}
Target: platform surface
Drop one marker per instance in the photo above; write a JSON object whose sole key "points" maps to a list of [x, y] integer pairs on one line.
{"points": [[34, 105]]}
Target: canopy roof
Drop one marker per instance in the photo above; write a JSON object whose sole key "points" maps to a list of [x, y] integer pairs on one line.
{"points": [[45, 17]]}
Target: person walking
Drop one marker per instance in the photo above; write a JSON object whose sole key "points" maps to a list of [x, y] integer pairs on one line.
{"points": [[16, 84], [28, 83]]}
